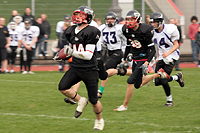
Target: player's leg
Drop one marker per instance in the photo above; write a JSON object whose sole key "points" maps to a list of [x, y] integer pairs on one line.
{"points": [[13, 57], [91, 82], [29, 60], [69, 79], [164, 82], [75, 87], [131, 80], [114, 59]]}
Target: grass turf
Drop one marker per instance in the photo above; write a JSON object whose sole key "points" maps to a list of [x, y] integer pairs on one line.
{"points": [[32, 103]]}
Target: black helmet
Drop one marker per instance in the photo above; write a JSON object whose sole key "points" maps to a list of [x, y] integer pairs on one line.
{"points": [[157, 17], [135, 15], [86, 15], [27, 21], [113, 16]]}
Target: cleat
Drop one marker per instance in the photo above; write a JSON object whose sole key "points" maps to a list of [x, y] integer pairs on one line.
{"points": [[24, 72], [180, 79], [121, 71], [163, 74], [69, 100], [121, 108], [168, 104], [81, 104], [99, 124], [99, 94], [30, 72]]}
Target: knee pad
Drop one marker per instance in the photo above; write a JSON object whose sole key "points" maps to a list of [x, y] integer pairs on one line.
{"points": [[103, 76], [93, 100], [159, 81]]}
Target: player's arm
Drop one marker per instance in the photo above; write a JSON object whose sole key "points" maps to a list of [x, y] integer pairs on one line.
{"points": [[34, 41], [151, 54], [174, 48], [85, 55]]}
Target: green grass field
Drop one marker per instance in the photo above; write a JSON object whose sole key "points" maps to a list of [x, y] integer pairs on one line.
{"points": [[32, 104]]}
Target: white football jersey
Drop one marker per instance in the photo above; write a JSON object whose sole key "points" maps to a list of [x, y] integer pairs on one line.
{"points": [[20, 26], [165, 40], [28, 35], [112, 36], [59, 26], [14, 37]]}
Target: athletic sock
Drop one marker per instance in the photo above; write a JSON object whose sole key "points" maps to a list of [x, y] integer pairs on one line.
{"points": [[175, 77], [101, 89], [169, 98]]}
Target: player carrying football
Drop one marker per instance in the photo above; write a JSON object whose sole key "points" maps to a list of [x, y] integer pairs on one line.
{"points": [[84, 65]]}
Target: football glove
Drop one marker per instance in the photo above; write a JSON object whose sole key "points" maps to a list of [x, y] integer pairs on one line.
{"points": [[56, 58], [18, 50], [144, 69], [68, 50], [129, 57], [9, 50]]}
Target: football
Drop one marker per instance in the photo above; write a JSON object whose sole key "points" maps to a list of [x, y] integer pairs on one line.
{"points": [[62, 55]]}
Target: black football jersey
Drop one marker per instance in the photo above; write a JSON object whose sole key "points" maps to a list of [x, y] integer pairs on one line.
{"points": [[139, 40], [88, 35]]}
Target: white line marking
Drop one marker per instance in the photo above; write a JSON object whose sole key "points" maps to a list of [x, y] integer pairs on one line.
{"points": [[27, 81], [85, 119]]}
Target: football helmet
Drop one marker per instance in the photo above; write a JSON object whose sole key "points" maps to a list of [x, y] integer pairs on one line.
{"points": [[85, 16], [111, 15], [27, 22], [135, 15], [12, 25], [17, 19], [157, 17]]}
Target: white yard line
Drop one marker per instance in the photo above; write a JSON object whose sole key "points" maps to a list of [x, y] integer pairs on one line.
{"points": [[85, 119]]}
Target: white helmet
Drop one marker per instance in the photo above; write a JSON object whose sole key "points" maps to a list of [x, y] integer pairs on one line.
{"points": [[12, 25], [17, 19]]}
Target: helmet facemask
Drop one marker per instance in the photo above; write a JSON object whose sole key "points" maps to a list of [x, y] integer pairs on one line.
{"points": [[79, 18], [159, 22], [17, 19], [110, 22], [12, 25], [131, 24]]}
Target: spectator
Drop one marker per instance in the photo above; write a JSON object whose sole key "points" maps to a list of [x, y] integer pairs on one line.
{"points": [[193, 29], [47, 28], [28, 14], [171, 20], [14, 13], [121, 20], [59, 26], [98, 21], [38, 23], [4, 43], [180, 41], [147, 18], [63, 41], [197, 36]]}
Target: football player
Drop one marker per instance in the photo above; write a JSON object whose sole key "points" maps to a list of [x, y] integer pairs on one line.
{"points": [[15, 46], [19, 24], [113, 38], [29, 37], [166, 36], [139, 44], [84, 65]]}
